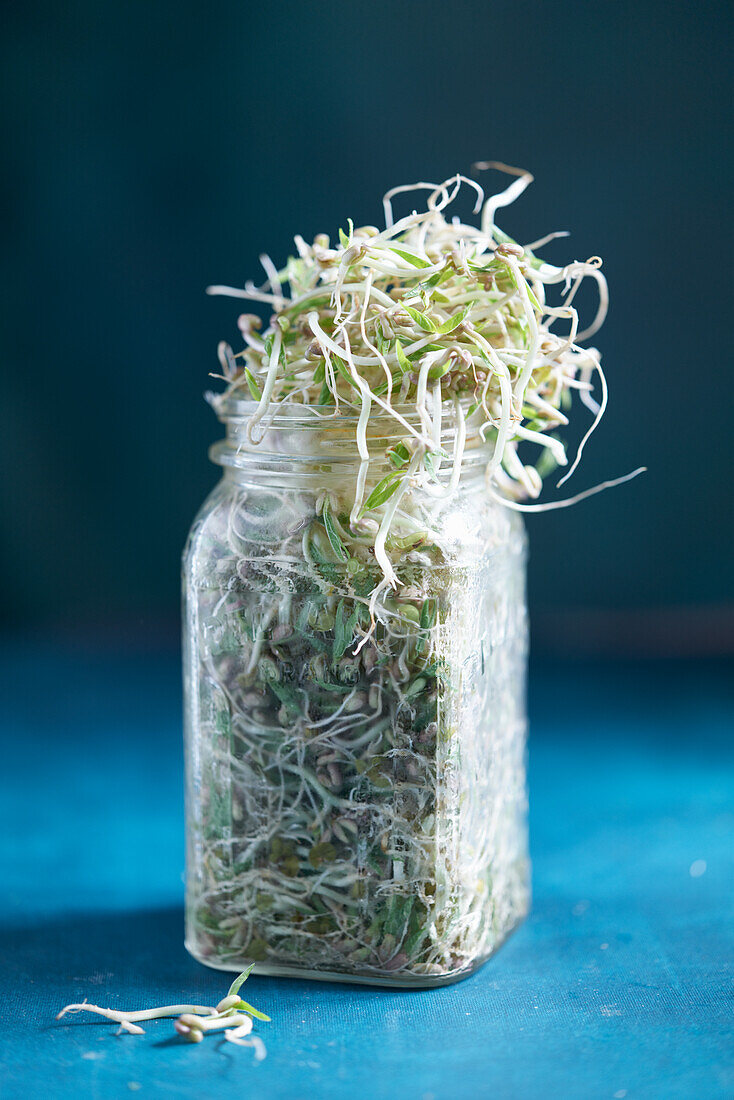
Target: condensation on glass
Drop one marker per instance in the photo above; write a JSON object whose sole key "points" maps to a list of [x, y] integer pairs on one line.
{"points": [[356, 810]]}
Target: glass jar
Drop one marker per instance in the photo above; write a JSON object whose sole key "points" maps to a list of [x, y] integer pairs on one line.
{"points": [[356, 804]]}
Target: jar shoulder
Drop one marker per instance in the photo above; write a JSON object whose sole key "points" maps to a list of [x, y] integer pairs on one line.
{"points": [[272, 522], [206, 527]]}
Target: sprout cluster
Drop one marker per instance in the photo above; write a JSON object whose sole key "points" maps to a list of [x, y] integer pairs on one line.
{"points": [[432, 314], [356, 770]]}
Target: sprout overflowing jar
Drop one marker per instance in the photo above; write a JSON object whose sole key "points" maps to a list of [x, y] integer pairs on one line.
{"points": [[356, 776], [354, 602]]}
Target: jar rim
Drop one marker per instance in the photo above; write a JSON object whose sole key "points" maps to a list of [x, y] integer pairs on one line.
{"points": [[314, 435], [227, 407]]}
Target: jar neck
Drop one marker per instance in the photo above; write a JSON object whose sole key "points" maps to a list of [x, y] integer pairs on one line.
{"points": [[303, 446]]}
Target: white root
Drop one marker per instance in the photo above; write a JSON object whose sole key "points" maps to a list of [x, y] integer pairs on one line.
{"points": [[552, 505], [119, 1017]]}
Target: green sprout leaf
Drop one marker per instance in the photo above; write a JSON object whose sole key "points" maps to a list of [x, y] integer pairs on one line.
{"points": [[240, 980], [438, 370], [429, 611], [341, 366], [336, 543], [344, 627], [415, 355], [346, 238], [382, 491], [403, 362], [321, 853], [533, 300], [252, 385], [382, 389], [454, 321], [416, 261], [243, 1006], [399, 455], [268, 343], [421, 319], [326, 397], [437, 278], [429, 461]]}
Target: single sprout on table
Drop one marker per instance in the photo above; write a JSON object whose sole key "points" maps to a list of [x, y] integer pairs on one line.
{"points": [[232, 1015]]}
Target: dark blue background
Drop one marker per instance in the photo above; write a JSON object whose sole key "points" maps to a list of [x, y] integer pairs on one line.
{"points": [[151, 149]]}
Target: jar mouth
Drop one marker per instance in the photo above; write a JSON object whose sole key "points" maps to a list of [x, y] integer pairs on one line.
{"points": [[227, 405], [293, 440]]}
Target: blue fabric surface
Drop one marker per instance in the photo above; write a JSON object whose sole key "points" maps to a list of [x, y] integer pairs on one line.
{"points": [[618, 985]]}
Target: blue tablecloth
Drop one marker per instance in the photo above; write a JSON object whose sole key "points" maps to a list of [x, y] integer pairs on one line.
{"points": [[618, 985]]}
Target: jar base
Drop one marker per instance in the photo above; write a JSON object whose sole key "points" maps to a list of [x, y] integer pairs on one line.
{"points": [[414, 981]]}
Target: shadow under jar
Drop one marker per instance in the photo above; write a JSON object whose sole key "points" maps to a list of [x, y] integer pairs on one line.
{"points": [[356, 803]]}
